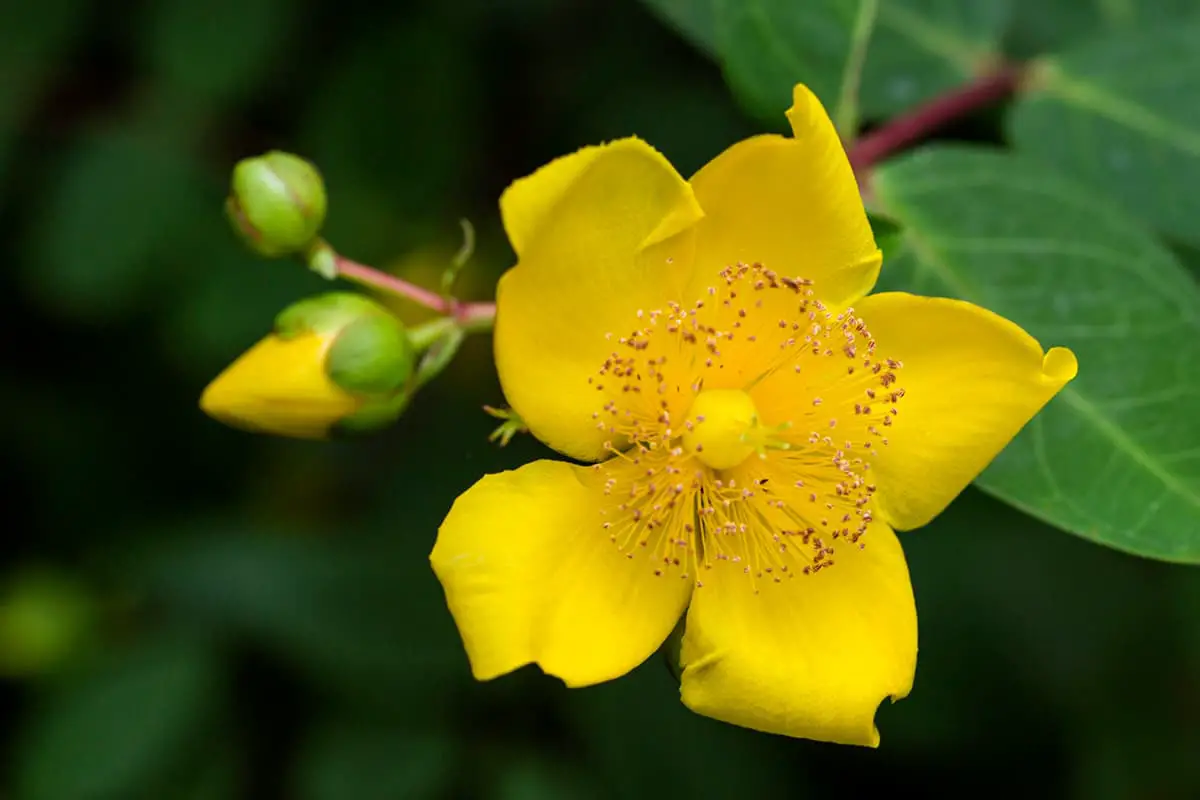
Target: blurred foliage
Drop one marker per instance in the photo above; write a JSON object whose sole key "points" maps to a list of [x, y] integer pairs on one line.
{"points": [[188, 611]]}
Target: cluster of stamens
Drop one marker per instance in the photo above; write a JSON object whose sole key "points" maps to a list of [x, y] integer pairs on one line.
{"points": [[822, 404]]}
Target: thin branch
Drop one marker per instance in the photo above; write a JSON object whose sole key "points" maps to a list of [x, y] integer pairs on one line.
{"points": [[473, 316], [920, 122]]}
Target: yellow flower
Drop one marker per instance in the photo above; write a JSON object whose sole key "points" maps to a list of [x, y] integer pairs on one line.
{"points": [[761, 428]]}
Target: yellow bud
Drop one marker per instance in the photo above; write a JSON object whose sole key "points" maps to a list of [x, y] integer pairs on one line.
{"points": [[281, 386]]}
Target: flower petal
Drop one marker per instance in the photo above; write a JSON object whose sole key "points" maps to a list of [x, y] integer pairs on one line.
{"points": [[790, 204], [810, 657], [971, 378], [280, 386], [599, 235], [532, 577]]}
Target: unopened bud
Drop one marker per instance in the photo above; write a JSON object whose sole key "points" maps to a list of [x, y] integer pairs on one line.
{"points": [[277, 203], [338, 361]]}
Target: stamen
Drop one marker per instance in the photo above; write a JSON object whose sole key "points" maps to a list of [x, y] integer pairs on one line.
{"points": [[691, 499]]}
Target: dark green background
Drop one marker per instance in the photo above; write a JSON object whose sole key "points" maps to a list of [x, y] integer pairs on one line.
{"points": [[191, 612]]}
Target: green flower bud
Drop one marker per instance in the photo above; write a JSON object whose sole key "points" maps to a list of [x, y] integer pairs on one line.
{"points": [[277, 203], [337, 361]]}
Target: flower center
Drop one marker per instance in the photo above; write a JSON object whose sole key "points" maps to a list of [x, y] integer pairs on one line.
{"points": [[742, 429], [722, 428]]}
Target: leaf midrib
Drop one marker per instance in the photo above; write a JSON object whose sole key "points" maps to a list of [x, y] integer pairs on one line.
{"points": [[845, 112], [1088, 96]]}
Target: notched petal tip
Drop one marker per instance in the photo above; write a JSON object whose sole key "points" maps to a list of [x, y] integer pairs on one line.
{"points": [[806, 111], [871, 737], [791, 204], [872, 740], [818, 661]]}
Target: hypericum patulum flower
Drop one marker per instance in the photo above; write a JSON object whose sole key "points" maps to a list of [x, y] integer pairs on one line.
{"points": [[760, 428]]}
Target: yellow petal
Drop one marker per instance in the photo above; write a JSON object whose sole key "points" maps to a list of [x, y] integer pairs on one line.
{"points": [[280, 387], [532, 577], [792, 205], [971, 381], [599, 235], [811, 657]]}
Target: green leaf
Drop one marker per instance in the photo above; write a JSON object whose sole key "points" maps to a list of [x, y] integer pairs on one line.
{"points": [[695, 20], [768, 46], [913, 51], [125, 729], [1040, 26], [922, 48], [1114, 458], [888, 234], [1120, 115], [1189, 257]]}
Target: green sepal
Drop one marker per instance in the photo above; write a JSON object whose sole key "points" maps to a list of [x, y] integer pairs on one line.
{"points": [[375, 415], [439, 353], [371, 356], [325, 313]]}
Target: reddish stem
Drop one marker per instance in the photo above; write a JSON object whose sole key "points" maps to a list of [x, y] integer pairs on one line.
{"points": [[467, 314], [923, 120]]}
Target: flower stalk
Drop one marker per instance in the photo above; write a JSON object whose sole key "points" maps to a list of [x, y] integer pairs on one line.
{"points": [[914, 126], [472, 317]]}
